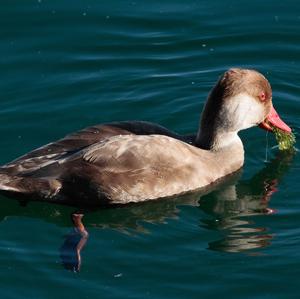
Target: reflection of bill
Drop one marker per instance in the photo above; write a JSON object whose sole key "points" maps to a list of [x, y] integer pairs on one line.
{"points": [[232, 207]]}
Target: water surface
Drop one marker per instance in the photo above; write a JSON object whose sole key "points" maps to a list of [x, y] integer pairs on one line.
{"points": [[66, 65]]}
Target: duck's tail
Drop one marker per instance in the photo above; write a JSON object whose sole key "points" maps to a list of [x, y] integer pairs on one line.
{"points": [[9, 183], [35, 188]]}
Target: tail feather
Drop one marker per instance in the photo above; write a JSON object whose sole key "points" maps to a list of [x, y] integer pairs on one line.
{"points": [[9, 183], [39, 188]]}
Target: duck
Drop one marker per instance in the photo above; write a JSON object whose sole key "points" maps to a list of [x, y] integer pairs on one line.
{"points": [[135, 161]]}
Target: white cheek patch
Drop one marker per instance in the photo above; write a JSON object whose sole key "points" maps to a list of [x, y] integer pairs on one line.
{"points": [[244, 111]]}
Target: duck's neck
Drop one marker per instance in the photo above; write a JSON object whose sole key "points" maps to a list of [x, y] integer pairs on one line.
{"points": [[218, 125], [217, 140], [226, 149]]}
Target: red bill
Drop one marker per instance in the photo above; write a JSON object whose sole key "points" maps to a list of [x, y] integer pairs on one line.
{"points": [[274, 119]]}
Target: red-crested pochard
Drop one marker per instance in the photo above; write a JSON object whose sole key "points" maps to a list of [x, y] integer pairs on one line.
{"points": [[124, 162]]}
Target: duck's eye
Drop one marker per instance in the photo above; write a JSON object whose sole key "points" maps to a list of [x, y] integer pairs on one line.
{"points": [[262, 96]]}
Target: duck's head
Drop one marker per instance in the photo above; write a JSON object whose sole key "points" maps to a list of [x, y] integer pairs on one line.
{"points": [[241, 99]]}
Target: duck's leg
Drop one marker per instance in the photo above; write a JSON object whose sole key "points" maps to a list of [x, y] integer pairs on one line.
{"points": [[73, 244], [79, 227]]}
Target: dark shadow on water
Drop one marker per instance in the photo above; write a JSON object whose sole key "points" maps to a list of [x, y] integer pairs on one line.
{"points": [[229, 207]]}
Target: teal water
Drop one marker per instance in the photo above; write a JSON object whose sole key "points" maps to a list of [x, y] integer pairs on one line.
{"points": [[69, 64]]}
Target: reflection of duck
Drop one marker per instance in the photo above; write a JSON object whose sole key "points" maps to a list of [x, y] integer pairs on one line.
{"points": [[232, 206], [230, 203], [136, 161]]}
